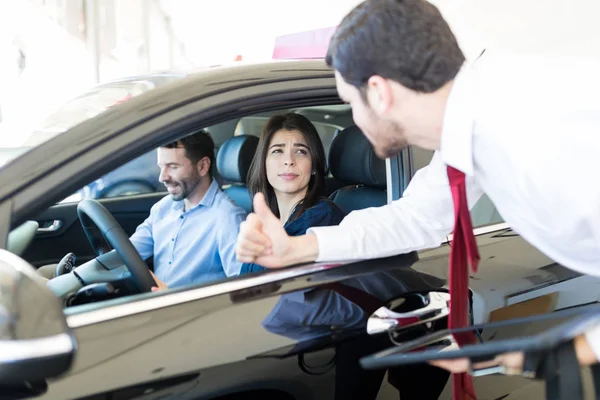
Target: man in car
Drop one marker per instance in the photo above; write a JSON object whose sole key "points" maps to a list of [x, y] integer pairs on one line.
{"points": [[503, 123], [192, 231]]}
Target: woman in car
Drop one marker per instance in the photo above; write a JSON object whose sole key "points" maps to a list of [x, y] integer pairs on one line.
{"points": [[289, 170]]}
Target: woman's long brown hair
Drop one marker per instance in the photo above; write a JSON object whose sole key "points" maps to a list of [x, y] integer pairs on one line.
{"points": [[257, 175]]}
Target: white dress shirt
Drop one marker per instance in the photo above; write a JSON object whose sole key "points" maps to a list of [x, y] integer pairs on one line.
{"points": [[421, 219], [526, 130]]}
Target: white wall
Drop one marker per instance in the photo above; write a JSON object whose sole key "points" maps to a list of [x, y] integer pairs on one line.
{"points": [[213, 31], [58, 67], [569, 27], [217, 31], [208, 32]]}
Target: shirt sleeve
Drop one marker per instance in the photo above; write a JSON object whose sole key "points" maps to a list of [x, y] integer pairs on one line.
{"points": [[421, 219], [227, 239], [142, 238]]}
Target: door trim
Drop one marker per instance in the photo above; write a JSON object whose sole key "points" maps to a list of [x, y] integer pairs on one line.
{"points": [[240, 289], [183, 295]]}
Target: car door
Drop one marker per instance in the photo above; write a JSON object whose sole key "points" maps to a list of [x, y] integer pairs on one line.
{"points": [[273, 333]]}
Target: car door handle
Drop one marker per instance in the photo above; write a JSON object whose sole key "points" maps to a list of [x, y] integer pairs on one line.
{"points": [[416, 309], [53, 227]]}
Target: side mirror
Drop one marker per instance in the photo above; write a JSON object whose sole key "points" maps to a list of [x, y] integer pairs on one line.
{"points": [[410, 310], [35, 341]]}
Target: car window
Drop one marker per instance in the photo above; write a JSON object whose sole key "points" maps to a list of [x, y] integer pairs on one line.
{"points": [[178, 243], [483, 213], [139, 176]]}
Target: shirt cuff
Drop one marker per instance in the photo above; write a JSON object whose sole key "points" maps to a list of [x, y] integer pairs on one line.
{"points": [[327, 238], [593, 338]]}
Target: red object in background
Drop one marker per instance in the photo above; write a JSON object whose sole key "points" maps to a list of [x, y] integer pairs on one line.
{"points": [[124, 99], [309, 44]]}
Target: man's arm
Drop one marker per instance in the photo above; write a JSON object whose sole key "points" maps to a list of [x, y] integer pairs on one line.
{"points": [[142, 238], [226, 240], [420, 219]]}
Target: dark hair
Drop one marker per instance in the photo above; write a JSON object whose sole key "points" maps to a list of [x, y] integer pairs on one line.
{"points": [[257, 175], [407, 41], [197, 146]]}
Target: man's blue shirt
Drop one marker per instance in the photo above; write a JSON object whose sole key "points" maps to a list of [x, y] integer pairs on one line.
{"points": [[195, 246]]}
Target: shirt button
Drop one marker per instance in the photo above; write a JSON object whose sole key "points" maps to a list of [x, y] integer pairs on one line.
{"points": [[169, 262], [181, 217], [172, 239]]}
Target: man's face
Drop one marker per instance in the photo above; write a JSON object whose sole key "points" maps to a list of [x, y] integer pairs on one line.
{"points": [[386, 135], [177, 173]]}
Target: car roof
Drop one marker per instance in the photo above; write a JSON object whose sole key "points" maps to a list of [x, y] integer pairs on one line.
{"points": [[265, 68], [226, 76]]}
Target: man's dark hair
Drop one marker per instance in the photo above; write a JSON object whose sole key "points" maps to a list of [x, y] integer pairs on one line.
{"points": [[407, 41], [197, 146]]}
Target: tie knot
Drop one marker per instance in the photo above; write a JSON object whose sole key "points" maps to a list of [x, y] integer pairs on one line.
{"points": [[455, 177]]}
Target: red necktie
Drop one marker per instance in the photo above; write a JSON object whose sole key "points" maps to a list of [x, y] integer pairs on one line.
{"points": [[463, 251]]}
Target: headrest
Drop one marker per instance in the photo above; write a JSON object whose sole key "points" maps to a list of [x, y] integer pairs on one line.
{"points": [[352, 160], [235, 156]]}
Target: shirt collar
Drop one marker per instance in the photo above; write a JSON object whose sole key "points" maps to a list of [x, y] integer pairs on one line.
{"points": [[207, 201], [209, 197], [456, 145]]}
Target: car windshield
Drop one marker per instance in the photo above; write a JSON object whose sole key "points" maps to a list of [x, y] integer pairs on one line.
{"points": [[85, 106]]}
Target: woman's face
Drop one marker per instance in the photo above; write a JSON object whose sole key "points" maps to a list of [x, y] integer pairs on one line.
{"points": [[288, 163]]}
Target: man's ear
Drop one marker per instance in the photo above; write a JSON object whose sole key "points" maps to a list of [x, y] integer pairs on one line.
{"points": [[203, 166], [379, 95]]}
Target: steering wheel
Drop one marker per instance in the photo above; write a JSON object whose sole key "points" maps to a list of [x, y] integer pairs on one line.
{"points": [[101, 227]]}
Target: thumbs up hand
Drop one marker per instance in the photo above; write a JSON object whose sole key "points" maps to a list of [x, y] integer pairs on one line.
{"points": [[262, 238]]}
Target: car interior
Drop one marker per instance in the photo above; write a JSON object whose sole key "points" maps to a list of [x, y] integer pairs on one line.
{"points": [[66, 234], [356, 180]]}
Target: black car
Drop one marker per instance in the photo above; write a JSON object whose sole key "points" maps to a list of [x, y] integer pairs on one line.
{"points": [[97, 332]]}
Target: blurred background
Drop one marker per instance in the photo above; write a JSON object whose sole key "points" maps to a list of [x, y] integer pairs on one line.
{"points": [[52, 51]]}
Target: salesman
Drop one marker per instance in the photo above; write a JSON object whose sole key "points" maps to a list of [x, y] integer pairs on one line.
{"points": [[524, 129]]}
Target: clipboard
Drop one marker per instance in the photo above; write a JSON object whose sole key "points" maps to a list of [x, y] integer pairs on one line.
{"points": [[441, 345]]}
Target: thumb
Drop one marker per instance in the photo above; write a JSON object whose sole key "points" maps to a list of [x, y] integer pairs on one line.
{"points": [[262, 209]]}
